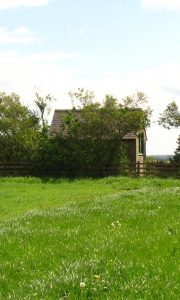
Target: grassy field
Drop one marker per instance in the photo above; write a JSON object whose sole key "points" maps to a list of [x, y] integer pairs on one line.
{"points": [[114, 238]]}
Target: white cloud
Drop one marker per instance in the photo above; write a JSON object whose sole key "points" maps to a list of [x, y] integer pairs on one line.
{"points": [[161, 4], [21, 73], [20, 35], [5, 4], [81, 31], [52, 56]]}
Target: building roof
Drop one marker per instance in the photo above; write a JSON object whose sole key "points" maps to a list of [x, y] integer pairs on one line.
{"points": [[130, 136], [57, 121]]}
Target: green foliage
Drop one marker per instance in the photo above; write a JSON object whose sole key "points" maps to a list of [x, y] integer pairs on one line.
{"points": [[118, 236], [83, 96], [19, 129], [136, 100], [90, 137], [43, 105], [150, 158], [171, 116], [111, 119], [176, 156]]}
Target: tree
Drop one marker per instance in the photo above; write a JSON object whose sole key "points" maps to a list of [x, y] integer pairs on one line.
{"points": [[170, 118], [176, 156], [19, 129], [92, 136], [43, 105], [110, 119]]}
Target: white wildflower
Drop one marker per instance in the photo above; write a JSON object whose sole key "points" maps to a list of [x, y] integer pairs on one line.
{"points": [[82, 285]]}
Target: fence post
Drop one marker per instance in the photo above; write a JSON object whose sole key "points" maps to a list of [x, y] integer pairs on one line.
{"points": [[138, 168]]}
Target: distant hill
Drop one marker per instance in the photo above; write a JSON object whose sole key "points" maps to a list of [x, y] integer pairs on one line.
{"points": [[159, 157]]}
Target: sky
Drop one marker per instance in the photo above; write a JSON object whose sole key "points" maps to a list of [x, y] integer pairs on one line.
{"points": [[108, 46]]}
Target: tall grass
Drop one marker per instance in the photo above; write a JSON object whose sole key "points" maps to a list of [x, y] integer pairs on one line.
{"points": [[114, 238]]}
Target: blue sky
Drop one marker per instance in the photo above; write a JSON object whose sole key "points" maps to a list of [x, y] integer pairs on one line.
{"points": [[113, 47]]}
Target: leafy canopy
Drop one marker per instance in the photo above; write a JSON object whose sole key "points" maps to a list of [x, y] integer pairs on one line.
{"points": [[111, 119], [91, 134], [170, 117], [19, 129]]}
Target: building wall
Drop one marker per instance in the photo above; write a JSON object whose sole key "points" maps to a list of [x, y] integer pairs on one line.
{"points": [[140, 157], [131, 149]]}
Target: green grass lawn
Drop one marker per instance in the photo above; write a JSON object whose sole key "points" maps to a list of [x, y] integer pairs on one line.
{"points": [[114, 238]]}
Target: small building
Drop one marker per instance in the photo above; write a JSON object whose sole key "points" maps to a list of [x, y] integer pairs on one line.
{"points": [[136, 146], [134, 141]]}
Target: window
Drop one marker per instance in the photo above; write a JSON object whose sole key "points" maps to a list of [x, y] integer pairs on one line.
{"points": [[141, 144]]}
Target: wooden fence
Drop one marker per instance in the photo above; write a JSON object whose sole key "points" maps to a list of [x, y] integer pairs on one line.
{"points": [[160, 169], [15, 169]]}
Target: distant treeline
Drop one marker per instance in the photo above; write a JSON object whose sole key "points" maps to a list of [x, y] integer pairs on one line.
{"points": [[159, 157]]}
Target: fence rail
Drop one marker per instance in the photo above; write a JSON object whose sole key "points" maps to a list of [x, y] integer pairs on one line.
{"points": [[15, 168], [161, 169]]}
